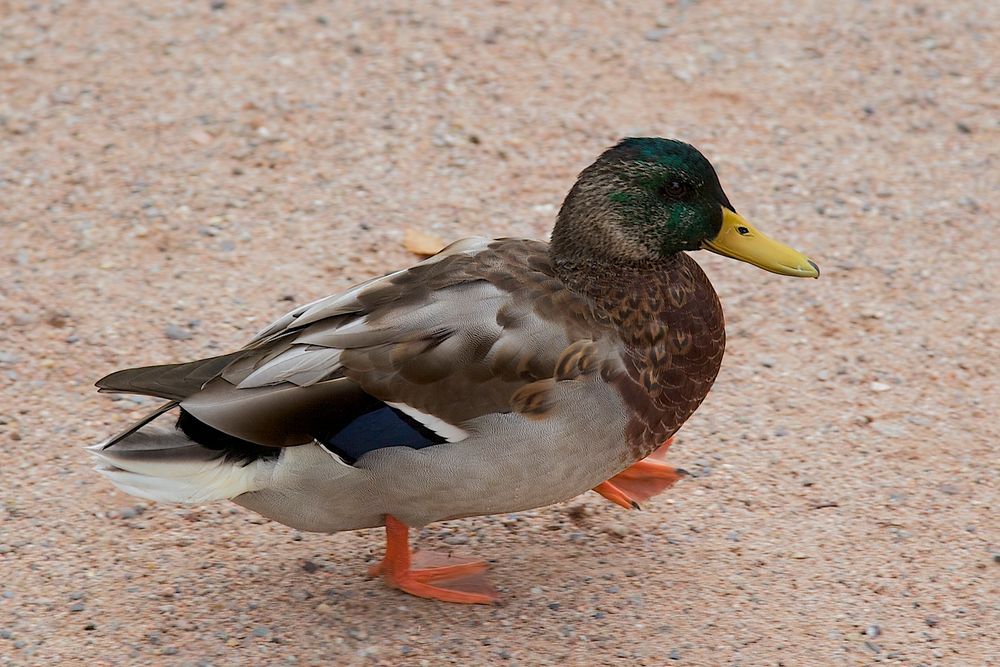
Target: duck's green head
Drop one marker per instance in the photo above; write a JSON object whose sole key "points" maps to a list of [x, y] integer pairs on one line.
{"points": [[649, 198]]}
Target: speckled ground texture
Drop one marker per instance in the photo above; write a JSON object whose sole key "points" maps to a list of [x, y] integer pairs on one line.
{"points": [[173, 179]]}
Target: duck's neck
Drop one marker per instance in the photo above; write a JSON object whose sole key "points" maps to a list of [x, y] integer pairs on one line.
{"points": [[591, 231], [607, 282]]}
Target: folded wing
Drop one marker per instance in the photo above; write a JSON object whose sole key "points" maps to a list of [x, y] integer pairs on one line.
{"points": [[412, 359]]}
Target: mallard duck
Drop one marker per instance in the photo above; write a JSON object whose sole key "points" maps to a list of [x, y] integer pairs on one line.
{"points": [[496, 376]]}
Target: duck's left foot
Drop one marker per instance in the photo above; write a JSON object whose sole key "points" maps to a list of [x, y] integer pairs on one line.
{"points": [[431, 575], [642, 480]]}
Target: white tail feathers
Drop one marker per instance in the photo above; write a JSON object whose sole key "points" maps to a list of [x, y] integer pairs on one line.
{"points": [[166, 466]]}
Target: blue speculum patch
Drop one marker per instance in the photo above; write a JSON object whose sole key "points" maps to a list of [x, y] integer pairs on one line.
{"points": [[383, 426]]}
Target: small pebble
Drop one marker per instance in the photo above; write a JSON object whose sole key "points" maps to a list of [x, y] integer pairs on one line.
{"points": [[5, 548], [618, 530], [873, 631], [260, 632], [456, 539], [77, 607], [174, 332], [879, 387]]}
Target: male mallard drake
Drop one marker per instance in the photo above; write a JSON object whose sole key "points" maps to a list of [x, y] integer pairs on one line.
{"points": [[497, 376]]}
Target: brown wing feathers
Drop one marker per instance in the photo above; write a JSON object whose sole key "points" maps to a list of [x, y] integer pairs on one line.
{"points": [[487, 328], [430, 337]]}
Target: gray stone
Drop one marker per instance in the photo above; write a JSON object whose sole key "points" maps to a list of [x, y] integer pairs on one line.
{"points": [[174, 332]]}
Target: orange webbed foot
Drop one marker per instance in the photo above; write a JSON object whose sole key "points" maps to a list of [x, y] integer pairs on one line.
{"points": [[431, 575], [616, 495], [642, 480]]}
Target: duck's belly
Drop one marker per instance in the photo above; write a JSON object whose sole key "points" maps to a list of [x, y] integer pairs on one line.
{"points": [[516, 464], [510, 463]]}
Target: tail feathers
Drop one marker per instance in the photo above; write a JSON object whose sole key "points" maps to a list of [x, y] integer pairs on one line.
{"points": [[166, 407], [172, 381], [164, 465]]}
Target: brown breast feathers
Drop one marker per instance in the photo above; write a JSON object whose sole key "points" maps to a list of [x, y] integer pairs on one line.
{"points": [[670, 323]]}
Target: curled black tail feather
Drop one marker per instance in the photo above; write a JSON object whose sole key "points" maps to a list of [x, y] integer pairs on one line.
{"points": [[118, 437]]}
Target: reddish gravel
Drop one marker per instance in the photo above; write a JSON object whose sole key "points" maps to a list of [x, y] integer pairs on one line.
{"points": [[173, 179]]}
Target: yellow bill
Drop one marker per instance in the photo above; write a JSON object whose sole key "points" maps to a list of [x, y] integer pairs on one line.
{"points": [[738, 239]]}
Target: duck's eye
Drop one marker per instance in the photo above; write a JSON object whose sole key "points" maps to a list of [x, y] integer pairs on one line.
{"points": [[675, 189], [743, 231]]}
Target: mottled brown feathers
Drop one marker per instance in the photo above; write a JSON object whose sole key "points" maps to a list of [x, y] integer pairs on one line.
{"points": [[505, 361], [534, 399], [669, 321]]}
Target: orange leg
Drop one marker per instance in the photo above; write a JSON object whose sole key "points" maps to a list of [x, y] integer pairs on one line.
{"points": [[642, 480], [430, 575]]}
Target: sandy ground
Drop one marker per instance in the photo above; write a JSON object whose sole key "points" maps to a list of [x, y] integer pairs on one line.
{"points": [[173, 179]]}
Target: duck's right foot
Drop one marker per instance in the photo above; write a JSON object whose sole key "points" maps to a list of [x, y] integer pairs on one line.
{"points": [[431, 575]]}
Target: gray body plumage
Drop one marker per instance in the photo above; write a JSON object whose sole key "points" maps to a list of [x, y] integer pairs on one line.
{"points": [[507, 464]]}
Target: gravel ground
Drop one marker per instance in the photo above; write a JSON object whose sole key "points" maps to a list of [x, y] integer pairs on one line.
{"points": [[173, 179]]}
